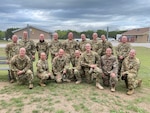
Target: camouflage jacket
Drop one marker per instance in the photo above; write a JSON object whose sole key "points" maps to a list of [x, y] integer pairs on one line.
{"points": [[130, 65], [96, 46], [42, 47], [42, 66], [77, 62], [29, 46], [109, 64], [18, 63], [123, 49], [70, 46], [89, 58], [106, 44], [54, 46], [11, 50], [59, 64]]}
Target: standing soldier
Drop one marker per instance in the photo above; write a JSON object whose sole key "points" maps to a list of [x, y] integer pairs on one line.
{"points": [[70, 45], [43, 69], [59, 67], [122, 51], [129, 72], [54, 45], [90, 62], [11, 50], [109, 65], [21, 68], [96, 44], [105, 44], [42, 46], [29, 46], [83, 43]]}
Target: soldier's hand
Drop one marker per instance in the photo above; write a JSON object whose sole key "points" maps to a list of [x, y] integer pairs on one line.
{"points": [[93, 66], [121, 57], [20, 72], [64, 71], [7, 62], [113, 75]]}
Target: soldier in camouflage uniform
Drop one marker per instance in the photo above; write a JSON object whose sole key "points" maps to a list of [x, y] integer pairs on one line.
{"points": [[11, 50], [43, 72], [59, 67], [105, 44], [29, 46], [83, 43], [90, 61], [75, 72], [109, 65], [54, 45], [70, 45], [42, 46], [129, 72], [20, 65], [122, 51]]}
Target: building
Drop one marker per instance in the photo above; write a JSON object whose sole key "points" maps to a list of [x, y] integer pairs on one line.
{"points": [[139, 35], [33, 33]]}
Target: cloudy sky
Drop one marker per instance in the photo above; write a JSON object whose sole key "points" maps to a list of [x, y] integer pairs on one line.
{"points": [[76, 15]]}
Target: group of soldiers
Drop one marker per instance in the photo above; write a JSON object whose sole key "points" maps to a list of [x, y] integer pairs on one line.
{"points": [[87, 60]]}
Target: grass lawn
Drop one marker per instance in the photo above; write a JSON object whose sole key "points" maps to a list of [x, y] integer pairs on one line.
{"points": [[72, 98]]}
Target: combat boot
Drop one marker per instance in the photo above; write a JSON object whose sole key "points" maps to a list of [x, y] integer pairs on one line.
{"points": [[12, 81], [78, 82], [112, 89], [30, 86], [139, 83], [42, 84], [130, 91], [99, 86]]}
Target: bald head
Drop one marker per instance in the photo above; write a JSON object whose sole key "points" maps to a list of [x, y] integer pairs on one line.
{"points": [[83, 37], [14, 38], [103, 37], [88, 47], [132, 53], [43, 56], [77, 53], [41, 38], [108, 52], [124, 39], [55, 36], [70, 35], [25, 35], [61, 52], [22, 52], [95, 35]]}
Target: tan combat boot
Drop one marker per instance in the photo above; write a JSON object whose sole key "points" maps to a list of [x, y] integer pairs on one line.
{"points": [[30, 86], [12, 81], [42, 84], [130, 91], [139, 83], [99, 86], [78, 82], [112, 89]]}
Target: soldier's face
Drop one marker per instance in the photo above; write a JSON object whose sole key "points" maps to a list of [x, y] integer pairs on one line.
{"points": [[15, 39], [124, 39], [61, 53], [132, 54], [22, 52], [55, 36], [77, 54], [41, 37], [108, 52], [88, 47], [103, 37], [83, 37], [43, 56], [94, 36], [25, 35], [70, 36]]}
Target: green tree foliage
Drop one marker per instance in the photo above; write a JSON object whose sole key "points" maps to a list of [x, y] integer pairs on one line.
{"points": [[8, 33], [2, 35]]}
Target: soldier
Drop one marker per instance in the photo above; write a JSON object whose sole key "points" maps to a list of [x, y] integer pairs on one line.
{"points": [[96, 44], [70, 45], [11, 50], [59, 67], [105, 44], [21, 67], [83, 43], [29, 46], [129, 72], [42, 46], [43, 69], [54, 45], [90, 61], [75, 72], [109, 65], [122, 51]]}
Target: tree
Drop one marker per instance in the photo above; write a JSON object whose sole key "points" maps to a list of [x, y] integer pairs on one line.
{"points": [[2, 34], [8, 33]]}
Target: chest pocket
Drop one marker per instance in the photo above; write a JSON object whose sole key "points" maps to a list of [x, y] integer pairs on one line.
{"points": [[109, 64], [90, 59]]}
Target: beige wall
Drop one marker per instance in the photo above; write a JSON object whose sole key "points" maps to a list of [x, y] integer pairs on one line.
{"points": [[142, 39], [34, 34]]}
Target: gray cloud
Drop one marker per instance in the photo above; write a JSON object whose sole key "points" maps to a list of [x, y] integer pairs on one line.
{"points": [[75, 14]]}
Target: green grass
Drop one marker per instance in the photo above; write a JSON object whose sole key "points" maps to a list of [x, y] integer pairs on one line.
{"points": [[69, 97]]}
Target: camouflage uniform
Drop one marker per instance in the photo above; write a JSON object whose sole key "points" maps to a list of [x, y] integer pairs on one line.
{"points": [[109, 65], [22, 64], [70, 47], [54, 47], [122, 49], [129, 72], [42, 47], [11, 50], [58, 66], [42, 70], [30, 49], [82, 45], [86, 60], [96, 46], [106, 44]]}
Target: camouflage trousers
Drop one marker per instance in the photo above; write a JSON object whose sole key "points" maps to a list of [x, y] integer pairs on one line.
{"points": [[91, 74], [43, 76], [59, 77], [132, 81], [25, 77], [109, 81], [119, 67]]}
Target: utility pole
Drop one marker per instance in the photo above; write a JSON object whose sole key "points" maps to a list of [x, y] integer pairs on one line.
{"points": [[107, 32], [28, 30]]}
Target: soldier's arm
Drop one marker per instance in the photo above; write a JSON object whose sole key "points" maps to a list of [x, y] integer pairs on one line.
{"points": [[7, 51], [134, 67], [83, 63], [13, 64], [54, 67], [100, 48], [115, 65], [33, 50]]}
